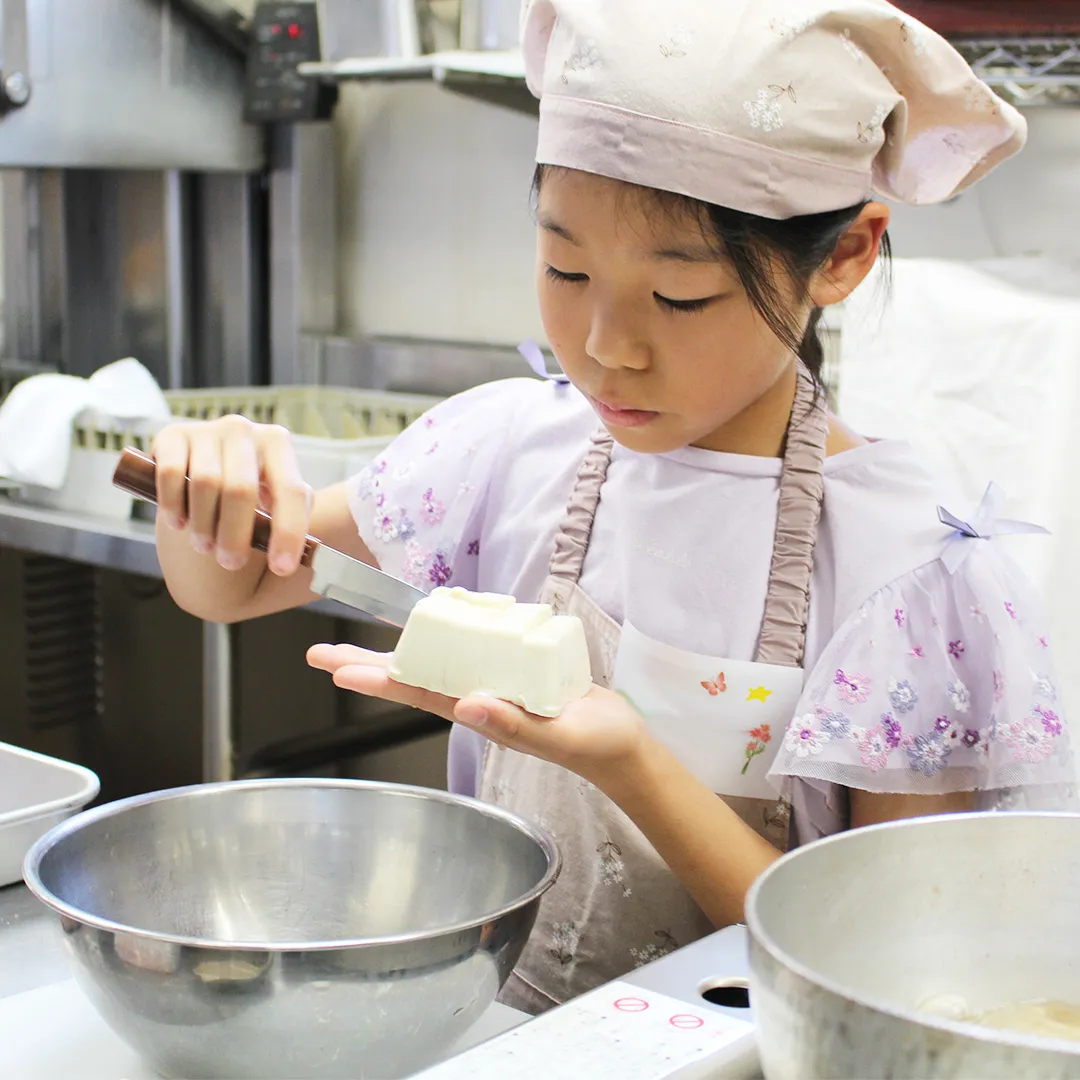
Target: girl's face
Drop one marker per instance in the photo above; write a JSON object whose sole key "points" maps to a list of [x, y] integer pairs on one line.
{"points": [[647, 323]]}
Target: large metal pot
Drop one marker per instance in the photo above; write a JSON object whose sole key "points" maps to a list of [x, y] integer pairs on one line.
{"points": [[851, 935], [293, 928]]}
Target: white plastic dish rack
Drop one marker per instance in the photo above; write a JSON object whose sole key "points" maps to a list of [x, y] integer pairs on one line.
{"points": [[336, 432]]}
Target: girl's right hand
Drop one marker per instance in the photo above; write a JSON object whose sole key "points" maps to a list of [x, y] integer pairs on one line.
{"points": [[234, 466]]}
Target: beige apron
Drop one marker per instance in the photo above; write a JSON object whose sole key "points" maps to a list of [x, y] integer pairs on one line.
{"points": [[616, 904]]}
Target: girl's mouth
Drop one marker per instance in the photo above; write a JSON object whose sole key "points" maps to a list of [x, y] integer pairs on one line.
{"points": [[617, 416]]}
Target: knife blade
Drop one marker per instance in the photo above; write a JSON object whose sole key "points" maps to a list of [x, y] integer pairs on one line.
{"points": [[335, 575]]}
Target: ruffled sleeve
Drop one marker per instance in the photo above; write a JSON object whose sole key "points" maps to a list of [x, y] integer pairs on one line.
{"points": [[940, 682], [420, 505]]}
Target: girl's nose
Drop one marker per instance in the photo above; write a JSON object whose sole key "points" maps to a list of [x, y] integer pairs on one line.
{"points": [[614, 342]]}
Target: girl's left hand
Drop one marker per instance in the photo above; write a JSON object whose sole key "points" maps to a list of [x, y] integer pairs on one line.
{"points": [[592, 736]]}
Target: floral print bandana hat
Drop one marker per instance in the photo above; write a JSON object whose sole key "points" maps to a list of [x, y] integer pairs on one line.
{"points": [[772, 107]]}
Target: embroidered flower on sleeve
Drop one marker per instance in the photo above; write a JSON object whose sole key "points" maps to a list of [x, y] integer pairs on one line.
{"points": [[956, 649], [873, 748], [417, 559], [916, 652], [440, 572], [431, 449], [1044, 641], [834, 724], [902, 695], [423, 567], [854, 689], [1029, 739], [803, 739], [1010, 609], [928, 753], [899, 617], [1044, 686], [385, 525], [474, 547], [970, 738], [1051, 722], [894, 733], [960, 696], [432, 510], [406, 530], [429, 421]]}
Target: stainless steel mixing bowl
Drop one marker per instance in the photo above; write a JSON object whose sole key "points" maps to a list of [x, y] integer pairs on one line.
{"points": [[851, 935], [276, 929]]}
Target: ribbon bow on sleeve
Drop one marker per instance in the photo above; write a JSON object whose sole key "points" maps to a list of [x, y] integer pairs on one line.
{"points": [[535, 359], [984, 525]]}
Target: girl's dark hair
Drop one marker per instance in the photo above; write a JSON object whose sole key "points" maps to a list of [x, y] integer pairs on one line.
{"points": [[757, 246]]}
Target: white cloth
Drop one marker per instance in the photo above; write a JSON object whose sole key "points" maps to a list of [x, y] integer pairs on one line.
{"points": [[473, 493], [37, 417], [978, 366]]}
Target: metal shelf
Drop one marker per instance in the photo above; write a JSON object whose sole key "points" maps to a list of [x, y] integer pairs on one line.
{"points": [[496, 77], [1027, 71]]}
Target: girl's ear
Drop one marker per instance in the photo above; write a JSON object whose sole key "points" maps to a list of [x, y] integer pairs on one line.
{"points": [[852, 258]]}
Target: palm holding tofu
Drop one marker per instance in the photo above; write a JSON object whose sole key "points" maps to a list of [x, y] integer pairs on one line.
{"points": [[518, 673], [458, 643]]}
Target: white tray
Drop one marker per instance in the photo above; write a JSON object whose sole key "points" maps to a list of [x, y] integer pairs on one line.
{"points": [[36, 793]]}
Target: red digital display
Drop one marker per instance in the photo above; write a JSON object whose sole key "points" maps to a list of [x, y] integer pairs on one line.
{"points": [[295, 30]]}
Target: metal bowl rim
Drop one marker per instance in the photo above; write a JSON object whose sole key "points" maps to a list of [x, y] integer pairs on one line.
{"points": [[54, 836], [968, 1030]]}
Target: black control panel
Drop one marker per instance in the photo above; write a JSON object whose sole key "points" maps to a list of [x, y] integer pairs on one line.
{"points": [[285, 34]]}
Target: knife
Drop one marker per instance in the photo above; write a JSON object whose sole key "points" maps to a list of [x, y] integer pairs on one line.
{"points": [[336, 576]]}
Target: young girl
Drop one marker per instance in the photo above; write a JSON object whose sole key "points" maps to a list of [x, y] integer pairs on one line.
{"points": [[786, 640]]}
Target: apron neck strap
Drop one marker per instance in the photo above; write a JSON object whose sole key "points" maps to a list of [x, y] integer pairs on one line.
{"points": [[787, 600], [572, 539]]}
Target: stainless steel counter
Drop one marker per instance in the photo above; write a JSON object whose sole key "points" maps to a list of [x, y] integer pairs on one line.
{"points": [[128, 546]]}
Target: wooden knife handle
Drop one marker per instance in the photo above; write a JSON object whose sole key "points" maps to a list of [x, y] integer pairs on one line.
{"points": [[136, 473]]}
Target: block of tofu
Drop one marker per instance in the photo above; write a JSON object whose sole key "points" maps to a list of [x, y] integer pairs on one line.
{"points": [[458, 642]]}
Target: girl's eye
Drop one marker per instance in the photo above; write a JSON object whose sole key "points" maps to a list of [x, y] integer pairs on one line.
{"points": [[688, 306], [562, 277]]}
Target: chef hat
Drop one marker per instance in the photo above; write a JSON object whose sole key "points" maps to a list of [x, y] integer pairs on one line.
{"points": [[774, 107]]}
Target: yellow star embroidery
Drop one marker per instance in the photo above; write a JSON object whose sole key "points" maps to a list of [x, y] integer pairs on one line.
{"points": [[759, 693]]}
